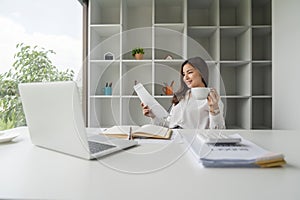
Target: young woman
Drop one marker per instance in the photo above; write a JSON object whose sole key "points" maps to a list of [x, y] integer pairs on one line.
{"points": [[186, 112]]}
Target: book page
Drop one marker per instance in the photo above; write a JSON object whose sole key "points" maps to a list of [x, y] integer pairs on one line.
{"points": [[120, 130], [153, 130], [146, 131], [149, 100]]}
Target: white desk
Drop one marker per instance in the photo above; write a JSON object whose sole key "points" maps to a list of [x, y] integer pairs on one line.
{"points": [[163, 172]]}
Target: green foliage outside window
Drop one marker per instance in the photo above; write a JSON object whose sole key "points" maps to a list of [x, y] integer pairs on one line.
{"points": [[31, 65]]}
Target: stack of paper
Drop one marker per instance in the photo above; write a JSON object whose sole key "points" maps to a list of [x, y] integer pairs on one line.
{"points": [[244, 154]]}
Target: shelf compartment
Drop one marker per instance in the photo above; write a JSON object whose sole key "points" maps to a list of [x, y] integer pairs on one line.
{"points": [[203, 41], [166, 11], [179, 27], [261, 12], [235, 43], [235, 12], [203, 13], [132, 9], [233, 36], [101, 73], [136, 71], [132, 113], [214, 76], [104, 39], [168, 42], [261, 113], [236, 78], [131, 41], [104, 112], [105, 11], [262, 79], [262, 43], [237, 113], [169, 68]]}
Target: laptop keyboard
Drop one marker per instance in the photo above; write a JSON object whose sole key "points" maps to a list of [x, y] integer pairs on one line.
{"points": [[96, 147]]}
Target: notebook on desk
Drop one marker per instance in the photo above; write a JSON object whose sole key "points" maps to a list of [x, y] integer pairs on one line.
{"points": [[147, 131], [55, 121]]}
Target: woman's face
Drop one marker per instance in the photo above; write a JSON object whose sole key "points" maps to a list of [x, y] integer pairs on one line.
{"points": [[192, 76]]}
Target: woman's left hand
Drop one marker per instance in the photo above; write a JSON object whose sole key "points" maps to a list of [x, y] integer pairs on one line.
{"points": [[213, 101]]}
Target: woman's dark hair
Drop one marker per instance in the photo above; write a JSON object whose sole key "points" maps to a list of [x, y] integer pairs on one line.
{"points": [[180, 93]]}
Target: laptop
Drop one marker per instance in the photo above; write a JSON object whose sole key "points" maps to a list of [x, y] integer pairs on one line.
{"points": [[55, 121]]}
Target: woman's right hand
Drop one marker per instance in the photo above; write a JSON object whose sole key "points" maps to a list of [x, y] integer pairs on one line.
{"points": [[147, 111]]}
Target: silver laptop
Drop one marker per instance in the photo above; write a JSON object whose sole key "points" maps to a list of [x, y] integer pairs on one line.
{"points": [[55, 121]]}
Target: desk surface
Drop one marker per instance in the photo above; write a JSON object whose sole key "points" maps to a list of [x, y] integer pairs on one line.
{"points": [[149, 171]]}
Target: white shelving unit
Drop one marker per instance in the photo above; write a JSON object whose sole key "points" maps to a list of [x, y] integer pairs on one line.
{"points": [[233, 36]]}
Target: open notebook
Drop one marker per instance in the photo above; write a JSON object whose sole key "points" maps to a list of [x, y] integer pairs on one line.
{"points": [[149, 131]]}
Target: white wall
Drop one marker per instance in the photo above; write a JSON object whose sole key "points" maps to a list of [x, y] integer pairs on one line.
{"points": [[286, 64]]}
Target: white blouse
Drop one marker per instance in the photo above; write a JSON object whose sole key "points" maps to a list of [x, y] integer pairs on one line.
{"points": [[190, 113]]}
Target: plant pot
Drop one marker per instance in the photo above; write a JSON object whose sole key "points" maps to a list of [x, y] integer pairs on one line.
{"points": [[139, 56]]}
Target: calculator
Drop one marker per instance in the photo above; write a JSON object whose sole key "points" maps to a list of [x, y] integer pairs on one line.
{"points": [[213, 138]]}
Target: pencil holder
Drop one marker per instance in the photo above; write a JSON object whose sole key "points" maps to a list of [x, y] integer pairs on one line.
{"points": [[107, 91]]}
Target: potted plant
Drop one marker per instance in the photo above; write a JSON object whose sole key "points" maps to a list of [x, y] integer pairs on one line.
{"points": [[138, 53]]}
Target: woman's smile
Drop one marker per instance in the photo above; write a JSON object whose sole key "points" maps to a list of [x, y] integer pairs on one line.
{"points": [[188, 82]]}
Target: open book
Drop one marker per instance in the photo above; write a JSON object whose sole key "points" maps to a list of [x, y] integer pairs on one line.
{"points": [[146, 131]]}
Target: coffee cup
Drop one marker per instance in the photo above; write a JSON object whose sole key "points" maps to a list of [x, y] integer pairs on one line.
{"points": [[200, 93]]}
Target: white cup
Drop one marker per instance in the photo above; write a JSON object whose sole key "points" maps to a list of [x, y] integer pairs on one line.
{"points": [[200, 93]]}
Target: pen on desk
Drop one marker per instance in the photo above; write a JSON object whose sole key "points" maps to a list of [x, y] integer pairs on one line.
{"points": [[130, 133]]}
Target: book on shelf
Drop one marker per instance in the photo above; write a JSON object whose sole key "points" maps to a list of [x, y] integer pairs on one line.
{"points": [[147, 131], [243, 154]]}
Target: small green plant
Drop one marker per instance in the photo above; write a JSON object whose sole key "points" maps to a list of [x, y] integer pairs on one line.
{"points": [[137, 51]]}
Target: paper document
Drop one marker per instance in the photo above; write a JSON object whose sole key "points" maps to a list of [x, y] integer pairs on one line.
{"points": [[243, 154], [149, 100]]}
